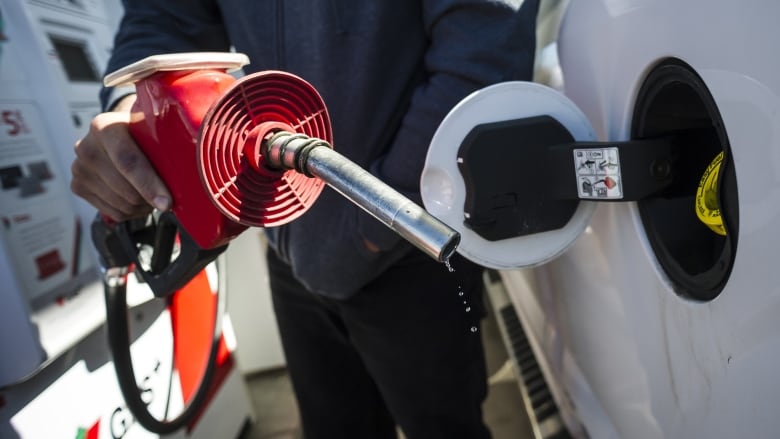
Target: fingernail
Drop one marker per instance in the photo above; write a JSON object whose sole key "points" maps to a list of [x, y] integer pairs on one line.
{"points": [[162, 203]]}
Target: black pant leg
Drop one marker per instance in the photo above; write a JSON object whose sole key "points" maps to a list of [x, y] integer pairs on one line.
{"points": [[336, 396], [417, 330]]}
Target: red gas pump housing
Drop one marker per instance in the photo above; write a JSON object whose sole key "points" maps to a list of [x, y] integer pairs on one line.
{"points": [[201, 128]]}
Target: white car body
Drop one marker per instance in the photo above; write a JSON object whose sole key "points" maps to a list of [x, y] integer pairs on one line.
{"points": [[644, 321], [624, 354]]}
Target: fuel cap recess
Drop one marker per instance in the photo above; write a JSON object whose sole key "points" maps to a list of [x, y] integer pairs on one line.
{"points": [[446, 191]]}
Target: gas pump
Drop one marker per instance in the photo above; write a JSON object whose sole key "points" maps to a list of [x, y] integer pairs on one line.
{"points": [[55, 368], [48, 63]]}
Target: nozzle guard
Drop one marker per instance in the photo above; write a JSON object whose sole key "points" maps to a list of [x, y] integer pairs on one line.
{"points": [[230, 159]]}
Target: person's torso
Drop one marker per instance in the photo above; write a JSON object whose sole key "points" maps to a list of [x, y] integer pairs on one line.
{"points": [[351, 52]]}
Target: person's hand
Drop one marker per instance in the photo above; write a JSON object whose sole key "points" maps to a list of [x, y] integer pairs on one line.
{"points": [[111, 172]]}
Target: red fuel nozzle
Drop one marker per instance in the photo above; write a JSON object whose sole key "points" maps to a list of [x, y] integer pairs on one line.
{"points": [[201, 128], [193, 142]]}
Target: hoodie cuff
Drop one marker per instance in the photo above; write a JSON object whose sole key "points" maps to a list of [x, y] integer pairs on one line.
{"points": [[116, 94]]}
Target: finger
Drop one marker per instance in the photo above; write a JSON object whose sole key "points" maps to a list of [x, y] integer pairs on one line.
{"points": [[103, 173], [130, 162], [93, 173], [106, 209], [89, 186]]}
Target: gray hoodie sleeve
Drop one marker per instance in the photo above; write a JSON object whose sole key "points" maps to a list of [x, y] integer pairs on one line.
{"points": [[473, 43], [151, 27]]}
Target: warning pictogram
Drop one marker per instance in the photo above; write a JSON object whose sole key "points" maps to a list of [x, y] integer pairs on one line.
{"points": [[598, 173]]}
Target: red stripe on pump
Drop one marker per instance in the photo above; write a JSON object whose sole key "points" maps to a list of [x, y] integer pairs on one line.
{"points": [[192, 318]]}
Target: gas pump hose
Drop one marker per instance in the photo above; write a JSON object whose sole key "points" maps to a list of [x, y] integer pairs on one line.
{"points": [[115, 288]]}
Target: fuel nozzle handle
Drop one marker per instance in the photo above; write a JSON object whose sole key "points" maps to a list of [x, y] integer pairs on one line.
{"points": [[316, 158]]}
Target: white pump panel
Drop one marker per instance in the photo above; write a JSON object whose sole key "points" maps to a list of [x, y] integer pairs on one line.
{"points": [[49, 270]]}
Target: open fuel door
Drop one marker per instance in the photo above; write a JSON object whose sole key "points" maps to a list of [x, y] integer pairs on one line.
{"points": [[516, 170]]}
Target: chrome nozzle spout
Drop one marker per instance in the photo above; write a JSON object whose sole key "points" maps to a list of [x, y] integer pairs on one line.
{"points": [[316, 158]]}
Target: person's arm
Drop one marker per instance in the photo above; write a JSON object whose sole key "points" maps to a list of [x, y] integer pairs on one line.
{"points": [[473, 44], [152, 27], [110, 171]]}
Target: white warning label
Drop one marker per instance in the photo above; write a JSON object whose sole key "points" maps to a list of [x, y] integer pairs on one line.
{"points": [[598, 173]]}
